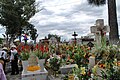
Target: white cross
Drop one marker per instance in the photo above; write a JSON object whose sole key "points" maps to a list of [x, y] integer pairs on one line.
{"points": [[99, 29]]}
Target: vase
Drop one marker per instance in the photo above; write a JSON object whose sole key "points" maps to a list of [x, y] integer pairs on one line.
{"points": [[41, 63], [24, 65]]}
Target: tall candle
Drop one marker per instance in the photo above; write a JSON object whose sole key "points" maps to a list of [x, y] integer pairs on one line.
{"points": [[91, 62]]}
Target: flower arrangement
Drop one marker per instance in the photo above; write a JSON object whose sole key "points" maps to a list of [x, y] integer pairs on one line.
{"points": [[55, 63], [106, 57], [24, 55], [33, 68], [81, 55], [83, 73], [40, 54], [79, 73]]}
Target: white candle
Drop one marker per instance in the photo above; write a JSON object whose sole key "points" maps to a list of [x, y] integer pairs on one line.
{"points": [[91, 62]]}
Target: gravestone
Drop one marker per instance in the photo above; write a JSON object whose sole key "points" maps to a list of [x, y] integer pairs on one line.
{"points": [[53, 40], [99, 30]]}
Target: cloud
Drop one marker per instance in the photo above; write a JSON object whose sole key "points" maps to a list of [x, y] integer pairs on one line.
{"points": [[63, 17]]}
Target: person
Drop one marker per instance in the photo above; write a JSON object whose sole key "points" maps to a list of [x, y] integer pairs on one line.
{"points": [[14, 60], [3, 56], [2, 74]]}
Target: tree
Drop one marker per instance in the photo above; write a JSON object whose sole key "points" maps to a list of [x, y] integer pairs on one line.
{"points": [[1, 40], [15, 14], [32, 32], [56, 36], [112, 18]]}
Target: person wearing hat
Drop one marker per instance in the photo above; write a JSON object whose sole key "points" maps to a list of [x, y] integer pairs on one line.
{"points": [[3, 56], [14, 60]]}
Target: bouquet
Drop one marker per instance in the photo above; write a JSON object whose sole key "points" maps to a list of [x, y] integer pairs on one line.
{"points": [[55, 63]]}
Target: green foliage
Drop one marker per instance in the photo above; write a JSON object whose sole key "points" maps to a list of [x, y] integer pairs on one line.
{"points": [[55, 63], [15, 14], [97, 2], [56, 36], [39, 54], [112, 73], [78, 59], [31, 31], [107, 53], [1, 40], [82, 73], [24, 55], [81, 56]]}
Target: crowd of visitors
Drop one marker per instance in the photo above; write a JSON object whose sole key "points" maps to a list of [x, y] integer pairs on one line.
{"points": [[11, 56], [8, 56]]}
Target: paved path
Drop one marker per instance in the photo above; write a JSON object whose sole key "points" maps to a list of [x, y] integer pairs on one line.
{"points": [[13, 77], [9, 76]]}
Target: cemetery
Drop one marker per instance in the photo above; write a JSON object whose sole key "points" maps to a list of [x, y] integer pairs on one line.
{"points": [[74, 61], [80, 43]]}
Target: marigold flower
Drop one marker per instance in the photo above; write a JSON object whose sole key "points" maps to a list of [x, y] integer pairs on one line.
{"points": [[33, 68]]}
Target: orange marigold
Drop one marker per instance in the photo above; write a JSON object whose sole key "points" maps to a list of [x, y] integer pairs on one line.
{"points": [[33, 68]]}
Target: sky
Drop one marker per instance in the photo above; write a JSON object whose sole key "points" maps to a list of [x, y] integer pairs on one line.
{"points": [[63, 17]]}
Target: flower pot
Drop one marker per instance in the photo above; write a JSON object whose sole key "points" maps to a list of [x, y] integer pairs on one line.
{"points": [[25, 64], [41, 63]]}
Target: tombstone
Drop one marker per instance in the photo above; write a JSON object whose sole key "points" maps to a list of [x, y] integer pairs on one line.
{"points": [[99, 29], [53, 40]]}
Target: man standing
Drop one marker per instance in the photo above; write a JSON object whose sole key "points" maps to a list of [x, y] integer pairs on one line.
{"points": [[14, 60]]}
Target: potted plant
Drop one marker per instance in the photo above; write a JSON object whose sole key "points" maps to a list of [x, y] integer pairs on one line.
{"points": [[24, 57]]}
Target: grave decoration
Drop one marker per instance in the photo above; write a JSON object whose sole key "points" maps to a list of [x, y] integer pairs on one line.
{"points": [[33, 63], [92, 64], [33, 68], [54, 63]]}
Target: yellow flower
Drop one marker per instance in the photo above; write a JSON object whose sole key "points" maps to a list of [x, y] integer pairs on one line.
{"points": [[94, 69], [83, 70], [115, 62]]}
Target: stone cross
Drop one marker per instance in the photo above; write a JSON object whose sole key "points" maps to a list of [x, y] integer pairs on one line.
{"points": [[99, 30]]}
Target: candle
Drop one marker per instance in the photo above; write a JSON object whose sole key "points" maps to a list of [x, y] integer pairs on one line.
{"points": [[91, 62]]}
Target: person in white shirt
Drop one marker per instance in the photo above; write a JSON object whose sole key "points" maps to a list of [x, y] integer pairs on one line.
{"points": [[14, 60], [3, 56]]}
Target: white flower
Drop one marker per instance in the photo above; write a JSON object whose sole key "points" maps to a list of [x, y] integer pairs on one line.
{"points": [[114, 45], [76, 66], [58, 57], [48, 60], [92, 75], [51, 57], [115, 68]]}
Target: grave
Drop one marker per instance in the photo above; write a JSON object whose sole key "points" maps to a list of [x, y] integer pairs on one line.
{"points": [[99, 30], [41, 74]]}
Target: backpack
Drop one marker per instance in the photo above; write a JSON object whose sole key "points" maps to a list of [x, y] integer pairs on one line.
{"points": [[16, 57]]}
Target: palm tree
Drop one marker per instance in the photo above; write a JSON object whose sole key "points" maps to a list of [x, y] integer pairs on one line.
{"points": [[112, 18]]}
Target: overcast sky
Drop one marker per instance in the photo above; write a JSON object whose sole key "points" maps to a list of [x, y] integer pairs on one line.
{"points": [[63, 17]]}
